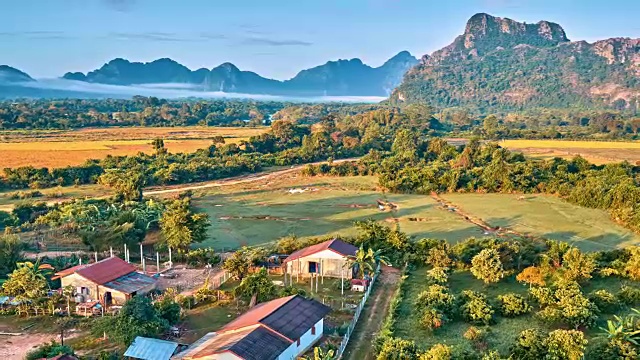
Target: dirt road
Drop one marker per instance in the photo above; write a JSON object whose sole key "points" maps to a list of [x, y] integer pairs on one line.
{"points": [[361, 344], [235, 180]]}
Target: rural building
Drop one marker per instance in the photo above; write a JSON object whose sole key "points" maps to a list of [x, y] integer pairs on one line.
{"points": [[281, 329], [330, 258], [111, 281], [152, 349]]}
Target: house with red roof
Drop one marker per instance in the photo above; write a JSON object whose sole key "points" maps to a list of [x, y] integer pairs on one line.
{"points": [[329, 258], [281, 329], [111, 281]]}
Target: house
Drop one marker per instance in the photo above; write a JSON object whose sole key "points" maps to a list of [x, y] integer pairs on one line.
{"points": [[111, 281], [281, 329], [330, 258], [152, 349]]}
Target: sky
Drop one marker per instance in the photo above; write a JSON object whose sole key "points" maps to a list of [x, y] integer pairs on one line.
{"points": [[275, 38]]}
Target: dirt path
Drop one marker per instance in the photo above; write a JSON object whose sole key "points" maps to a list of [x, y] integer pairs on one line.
{"points": [[361, 344], [235, 180]]}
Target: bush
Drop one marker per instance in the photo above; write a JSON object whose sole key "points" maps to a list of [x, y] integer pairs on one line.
{"points": [[437, 297], [475, 308], [398, 349], [605, 301], [474, 334], [629, 295], [432, 319], [49, 350], [529, 345], [437, 352], [513, 305]]}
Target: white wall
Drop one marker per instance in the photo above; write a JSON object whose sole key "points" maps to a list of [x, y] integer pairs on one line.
{"points": [[306, 342]]}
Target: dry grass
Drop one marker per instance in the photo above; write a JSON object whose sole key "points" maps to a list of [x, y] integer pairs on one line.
{"points": [[598, 152], [62, 148]]}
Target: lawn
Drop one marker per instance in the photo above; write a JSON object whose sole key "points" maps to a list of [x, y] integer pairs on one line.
{"points": [[500, 335], [547, 217], [262, 212], [599, 152], [55, 149]]}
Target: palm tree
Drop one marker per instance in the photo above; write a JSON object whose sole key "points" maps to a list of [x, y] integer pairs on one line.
{"points": [[367, 260]]}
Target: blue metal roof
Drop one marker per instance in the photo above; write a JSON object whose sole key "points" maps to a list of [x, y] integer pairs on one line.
{"points": [[130, 283], [151, 349]]}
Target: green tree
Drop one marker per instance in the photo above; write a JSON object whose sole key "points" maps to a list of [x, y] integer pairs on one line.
{"points": [[565, 345], [239, 263], [577, 266], [475, 308], [512, 305], [487, 266], [158, 146], [258, 287], [10, 253], [27, 283], [180, 227], [365, 261], [127, 184], [138, 317]]}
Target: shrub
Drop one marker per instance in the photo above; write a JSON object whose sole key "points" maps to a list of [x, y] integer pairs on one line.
{"points": [[432, 319], [475, 308], [604, 300], [437, 297], [513, 305], [565, 344], [529, 345], [49, 350], [438, 275], [437, 352], [474, 334], [398, 349], [629, 295], [543, 296], [486, 266]]}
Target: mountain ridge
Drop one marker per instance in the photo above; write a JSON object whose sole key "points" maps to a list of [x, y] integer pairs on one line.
{"points": [[502, 63], [336, 78]]}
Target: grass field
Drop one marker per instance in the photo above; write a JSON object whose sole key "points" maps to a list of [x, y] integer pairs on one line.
{"points": [[547, 217], [62, 148], [502, 334], [262, 212], [598, 152]]}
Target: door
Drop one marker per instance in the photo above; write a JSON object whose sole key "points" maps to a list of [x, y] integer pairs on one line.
{"points": [[313, 267], [107, 299]]}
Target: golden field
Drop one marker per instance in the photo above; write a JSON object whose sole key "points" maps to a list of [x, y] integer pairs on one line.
{"points": [[598, 152], [54, 149]]}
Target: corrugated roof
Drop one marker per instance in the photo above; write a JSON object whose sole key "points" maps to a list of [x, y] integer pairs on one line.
{"points": [[68, 271], [130, 283], [106, 270], [296, 317], [257, 313], [151, 349], [335, 245], [252, 343], [263, 332]]}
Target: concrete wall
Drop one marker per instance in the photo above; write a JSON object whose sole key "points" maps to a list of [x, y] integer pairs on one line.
{"points": [[306, 342], [96, 292], [331, 265]]}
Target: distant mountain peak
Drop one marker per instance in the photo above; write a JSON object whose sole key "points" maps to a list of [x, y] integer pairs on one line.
{"points": [[503, 63], [11, 74]]}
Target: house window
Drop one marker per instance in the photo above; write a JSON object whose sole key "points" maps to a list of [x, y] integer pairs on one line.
{"points": [[313, 267], [298, 342], [313, 330]]}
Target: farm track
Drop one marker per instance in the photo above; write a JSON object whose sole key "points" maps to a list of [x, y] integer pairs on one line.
{"points": [[265, 175], [374, 313]]}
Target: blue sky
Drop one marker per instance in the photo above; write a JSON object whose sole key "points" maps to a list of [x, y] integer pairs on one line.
{"points": [[275, 38]]}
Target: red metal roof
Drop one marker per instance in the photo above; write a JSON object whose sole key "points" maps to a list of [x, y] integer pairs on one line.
{"points": [[334, 245], [106, 270], [257, 313], [69, 271]]}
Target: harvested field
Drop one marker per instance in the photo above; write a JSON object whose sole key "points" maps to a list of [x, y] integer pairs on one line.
{"points": [[598, 152], [63, 148]]}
